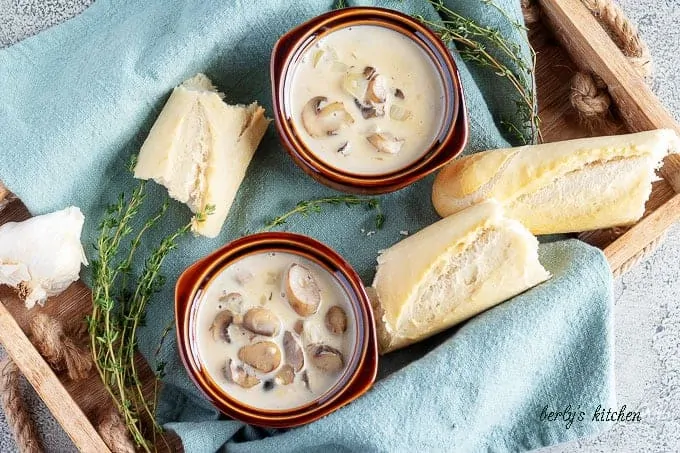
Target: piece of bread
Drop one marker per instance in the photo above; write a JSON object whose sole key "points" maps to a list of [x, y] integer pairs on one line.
{"points": [[199, 148], [451, 271], [561, 187]]}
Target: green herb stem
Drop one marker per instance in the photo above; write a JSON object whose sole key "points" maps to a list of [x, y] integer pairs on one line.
{"points": [[118, 311], [306, 207], [475, 45]]}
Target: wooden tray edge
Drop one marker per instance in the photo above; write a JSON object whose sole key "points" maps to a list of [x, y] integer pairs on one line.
{"points": [[582, 36], [48, 386]]}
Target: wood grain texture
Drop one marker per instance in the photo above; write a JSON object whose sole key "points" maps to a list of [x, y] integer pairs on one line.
{"points": [[643, 232], [70, 307], [589, 45], [65, 410]]}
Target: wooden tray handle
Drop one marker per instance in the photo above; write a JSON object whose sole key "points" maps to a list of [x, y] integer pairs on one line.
{"points": [[591, 47], [47, 385]]}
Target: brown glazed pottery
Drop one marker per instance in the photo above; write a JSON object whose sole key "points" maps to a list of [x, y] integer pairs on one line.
{"points": [[362, 367], [452, 136]]}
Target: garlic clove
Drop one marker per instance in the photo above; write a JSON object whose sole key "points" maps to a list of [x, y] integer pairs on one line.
{"points": [[42, 256]]}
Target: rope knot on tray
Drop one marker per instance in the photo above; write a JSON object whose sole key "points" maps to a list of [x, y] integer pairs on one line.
{"points": [[589, 95], [61, 349]]}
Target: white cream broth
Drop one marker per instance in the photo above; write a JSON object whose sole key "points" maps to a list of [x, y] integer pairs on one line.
{"points": [[260, 279], [412, 116]]}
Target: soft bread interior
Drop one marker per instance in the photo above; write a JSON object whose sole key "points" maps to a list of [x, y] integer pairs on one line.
{"points": [[476, 268], [199, 148], [596, 197]]}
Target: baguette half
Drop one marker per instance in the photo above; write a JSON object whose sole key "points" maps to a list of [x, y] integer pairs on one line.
{"points": [[449, 272], [200, 147], [561, 187]]}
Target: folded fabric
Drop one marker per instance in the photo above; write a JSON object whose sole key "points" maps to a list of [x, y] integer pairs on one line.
{"points": [[80, 98]]}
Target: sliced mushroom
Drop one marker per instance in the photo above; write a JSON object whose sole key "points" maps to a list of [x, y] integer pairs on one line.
{"points": [[220, 326], [299, 326], [262, 322], [385, 142], [344, 149], [369, 72], [336, 320], [293, 351], [238, 374], [264, 356], [323, 121], [305, 379], [376, 93], [370, 111], [286, 375], [326, 358], [232, 301], [304, 295]]}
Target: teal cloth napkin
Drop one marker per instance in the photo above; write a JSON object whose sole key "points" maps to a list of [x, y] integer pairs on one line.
{"points": [[79, 99]]}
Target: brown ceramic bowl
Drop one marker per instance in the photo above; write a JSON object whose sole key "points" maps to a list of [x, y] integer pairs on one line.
{"points": [[450, 139], [361, 370]]}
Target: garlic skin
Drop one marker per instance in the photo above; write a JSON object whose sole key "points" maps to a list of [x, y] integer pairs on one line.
{"points": [[41, 256]]}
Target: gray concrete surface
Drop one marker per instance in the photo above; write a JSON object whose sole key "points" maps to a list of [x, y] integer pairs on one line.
{"points": [[647, 311]]}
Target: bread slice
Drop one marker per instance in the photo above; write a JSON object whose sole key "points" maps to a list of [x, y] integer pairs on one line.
{"points": [[199, 148], [451, 271], [560, 187]]}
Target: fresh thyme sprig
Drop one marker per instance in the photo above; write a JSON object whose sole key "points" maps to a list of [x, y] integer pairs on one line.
{"points": [[120, 300], [480, 44], [306, 207]]}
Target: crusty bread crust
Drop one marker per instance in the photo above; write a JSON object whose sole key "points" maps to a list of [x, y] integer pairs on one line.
{"points": [[569, 186]]}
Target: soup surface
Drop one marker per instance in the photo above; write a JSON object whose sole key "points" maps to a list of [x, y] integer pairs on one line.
{"points": [[275, 330], [367, 100]]}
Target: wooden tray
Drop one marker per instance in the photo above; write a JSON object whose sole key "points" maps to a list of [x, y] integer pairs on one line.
{"points": [[567, 34]]}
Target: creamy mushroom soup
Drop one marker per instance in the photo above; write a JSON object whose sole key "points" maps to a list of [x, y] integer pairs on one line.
{"points": [[275, 330], [367, 100]]}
